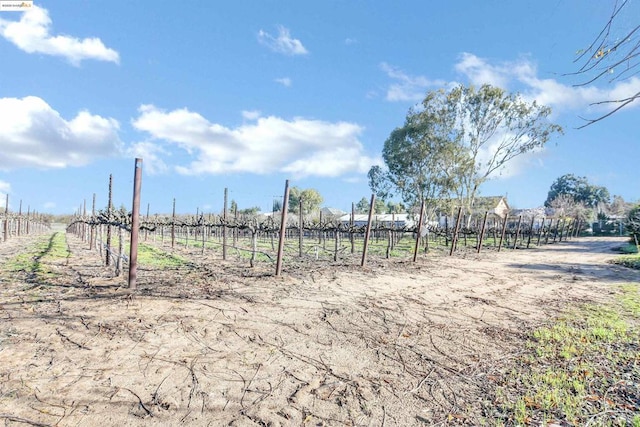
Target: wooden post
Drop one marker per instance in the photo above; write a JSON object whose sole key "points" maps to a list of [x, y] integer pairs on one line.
{"points": [[6, 218], [300, 229], [368, 231], [337, 241], [555, 233], [224, 224], [146, 220], [135, 225], [419, 232], [92, 236], [107, 260], [454, 239], [540, 231], [352, 223], [533, 218], [515, 241], [120, 251], [504, 230], [564, 223], [20, 218], [283, 225], [235, 228], [173, 224], [481, 237]]}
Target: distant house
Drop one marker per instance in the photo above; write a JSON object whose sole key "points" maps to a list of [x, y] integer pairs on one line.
{"points": [[387, 220], [332, 212], [496, 206], [530, 213]]}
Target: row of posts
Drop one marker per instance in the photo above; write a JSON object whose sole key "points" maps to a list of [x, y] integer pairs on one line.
{"points": [[19, 224], [135, 218]]}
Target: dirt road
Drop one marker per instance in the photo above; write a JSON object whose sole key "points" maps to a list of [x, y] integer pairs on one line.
{"points": [[395, 344]]}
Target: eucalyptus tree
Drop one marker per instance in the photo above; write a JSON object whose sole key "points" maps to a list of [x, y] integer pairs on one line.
{"points": [[421, 161], [379, 207], [458, 139], [311, 200], [494, 127]]}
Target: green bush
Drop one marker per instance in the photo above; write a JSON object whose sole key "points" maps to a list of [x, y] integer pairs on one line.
{"points": [[633, 224]]}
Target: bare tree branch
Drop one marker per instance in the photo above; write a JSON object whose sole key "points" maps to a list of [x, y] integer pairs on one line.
{"points": [[604, 56]]}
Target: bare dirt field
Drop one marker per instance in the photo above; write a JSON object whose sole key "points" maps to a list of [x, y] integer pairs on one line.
{"points": [[391, 344]]}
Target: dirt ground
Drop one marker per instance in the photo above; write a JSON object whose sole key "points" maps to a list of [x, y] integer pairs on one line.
{"points": [[392, 344]]}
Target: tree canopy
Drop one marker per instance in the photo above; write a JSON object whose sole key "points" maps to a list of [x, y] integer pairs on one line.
{"points": [[379, 206], [633, 224], [457, 140], [311, 200], [577, 189]]}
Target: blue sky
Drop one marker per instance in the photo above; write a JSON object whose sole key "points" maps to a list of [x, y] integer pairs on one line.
{"points": [[247, 94]]}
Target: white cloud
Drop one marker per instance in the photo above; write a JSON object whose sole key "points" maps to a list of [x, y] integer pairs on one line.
{"points": [[480, 72], [407, 87], [49, 205], [349, 41], [300, 146], [32, 35], [517, 75], [150, 154], [32, 134], [522, 75], [283, 43], [284, 81], [251, 115]]}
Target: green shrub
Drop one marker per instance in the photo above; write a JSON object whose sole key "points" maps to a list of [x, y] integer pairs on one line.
{"points": [[633, 224]]}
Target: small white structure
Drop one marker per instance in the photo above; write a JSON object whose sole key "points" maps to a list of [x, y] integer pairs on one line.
{"points": [[388, 220]]}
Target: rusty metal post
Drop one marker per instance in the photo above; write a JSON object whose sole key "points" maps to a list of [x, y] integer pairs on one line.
{"points": [[283, 225], [419, 232], [368, 231], [135, 225]]}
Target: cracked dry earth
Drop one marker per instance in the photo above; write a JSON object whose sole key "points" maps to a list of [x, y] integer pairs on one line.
{"points": [[333, 344]]}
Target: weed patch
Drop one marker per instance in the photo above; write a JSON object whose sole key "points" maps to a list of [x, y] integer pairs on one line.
{"points": [[631, 261], [150, 256], [582, 370], [35, 262]]}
